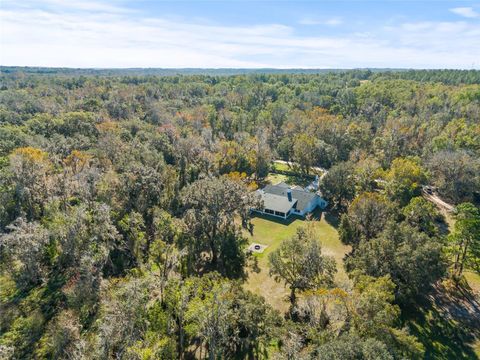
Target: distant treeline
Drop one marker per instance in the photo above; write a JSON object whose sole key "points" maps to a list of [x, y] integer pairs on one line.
{"points": [[446, 76]]}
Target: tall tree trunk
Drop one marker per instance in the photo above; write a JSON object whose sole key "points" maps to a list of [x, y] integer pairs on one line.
{"points": [[464, 256], [180, 328], [293, 300], [214, 252]]}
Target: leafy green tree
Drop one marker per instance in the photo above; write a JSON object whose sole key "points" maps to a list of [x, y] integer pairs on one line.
{"points": [[30, 180], [366, 174], [258, 324], [375, 316], [133, 227], [212, 209], [365, 316], [78, 123], [11, 138], [167, 260], [366, 217], [123, 316], [85, 233], [464, 241], [210, 317], [404, 180], [304, 152], [338, 185], [78, 179], [456, 174], [421, 214], [145, 186], [412, 259], [62, 338], [299, 263], [263, 155], [352, 347], [285, 148]]}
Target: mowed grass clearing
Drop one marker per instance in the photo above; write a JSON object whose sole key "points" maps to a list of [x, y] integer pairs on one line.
{"points": [[271, 232]]}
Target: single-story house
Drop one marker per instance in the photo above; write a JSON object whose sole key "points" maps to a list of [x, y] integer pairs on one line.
{"points": [[282, 200]]}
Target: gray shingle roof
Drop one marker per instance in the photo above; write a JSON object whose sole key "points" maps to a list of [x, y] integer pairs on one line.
{"points": [[276, 202], [303, 197]]}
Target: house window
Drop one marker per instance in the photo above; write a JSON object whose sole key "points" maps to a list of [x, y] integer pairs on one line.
{"points": [[279, 213], [268, 211]]}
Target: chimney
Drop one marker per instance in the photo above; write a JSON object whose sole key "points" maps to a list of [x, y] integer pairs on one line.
{"points": [[289, 195]]}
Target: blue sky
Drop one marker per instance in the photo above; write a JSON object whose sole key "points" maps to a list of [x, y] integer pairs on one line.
{"points": [[247, 34]]}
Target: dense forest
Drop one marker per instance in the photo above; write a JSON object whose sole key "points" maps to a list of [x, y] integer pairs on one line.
{"points": [[125, 214]]}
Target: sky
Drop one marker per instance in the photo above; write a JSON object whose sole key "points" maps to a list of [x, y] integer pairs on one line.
{"points": [[240, 34]]}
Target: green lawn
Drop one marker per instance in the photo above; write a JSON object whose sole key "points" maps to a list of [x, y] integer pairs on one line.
{"points": [[473, 280], [270, 231], [281, 167], [273, 178], [276, 178]]}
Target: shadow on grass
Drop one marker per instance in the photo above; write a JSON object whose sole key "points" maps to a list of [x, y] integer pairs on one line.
{"points": [[277, 220], [446, 327], [332, 218], [315, 215], [442, 226]]}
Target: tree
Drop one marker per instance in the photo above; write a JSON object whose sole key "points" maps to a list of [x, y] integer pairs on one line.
{"points": [[62, 338], [30, 171], [366, 217], [465, 239], [145, 186], [365, 318], [304, 152], [210, 316], [78, 123], [133, 228], [299, 263], [421, 214], [258, 324], [164, 252], [375, 316], [26, 247], [456, 174], [404, 180], [78, 180], [352, 347], [338, 185], [263, 154], [211, 208], [123, 317], [85, 234], [177, 297], [366, 174], [412, 259]]}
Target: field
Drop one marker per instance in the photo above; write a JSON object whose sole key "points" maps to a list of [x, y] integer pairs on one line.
{"points": [[271, 232]]}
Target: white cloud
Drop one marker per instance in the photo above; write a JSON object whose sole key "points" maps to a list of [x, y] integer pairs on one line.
{"points": [[108, 35], [467, 12], [334, 21]]}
